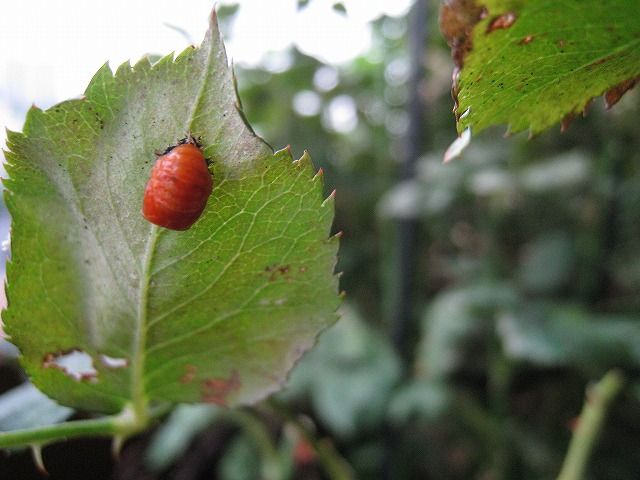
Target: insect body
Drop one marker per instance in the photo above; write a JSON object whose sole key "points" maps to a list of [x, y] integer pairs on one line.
{"points": [[178, 188]]}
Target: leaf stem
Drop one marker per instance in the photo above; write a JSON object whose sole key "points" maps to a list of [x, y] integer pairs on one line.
{"points": [[335, 466], [271, 465], [122, 425], [596, 406]]}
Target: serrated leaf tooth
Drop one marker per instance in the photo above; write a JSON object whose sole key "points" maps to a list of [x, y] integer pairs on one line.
{"points": [[143, 64], [101, 77], [335, 238], [183, 54], [36, 453], [123, 68], [330, 200], [166, 60]]}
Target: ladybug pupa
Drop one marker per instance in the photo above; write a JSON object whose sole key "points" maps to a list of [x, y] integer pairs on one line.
{"points": [[178, 188]]}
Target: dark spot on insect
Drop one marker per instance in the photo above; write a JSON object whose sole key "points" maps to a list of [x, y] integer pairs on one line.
{"points": [[503, 21], [189, 374], [216, 390], [275, 271]]}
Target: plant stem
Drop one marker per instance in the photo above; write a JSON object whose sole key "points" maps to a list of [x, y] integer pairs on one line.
{"points": [[107, 426], [334, 465], [403, 294], [271, 465], [595, 409], [122, 425]]}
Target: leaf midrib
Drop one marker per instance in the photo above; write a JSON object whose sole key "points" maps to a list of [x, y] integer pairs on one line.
{"points": [[138, 385]]}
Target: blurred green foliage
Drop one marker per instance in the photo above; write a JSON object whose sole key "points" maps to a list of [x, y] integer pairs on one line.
{"points": [[528, 273]]}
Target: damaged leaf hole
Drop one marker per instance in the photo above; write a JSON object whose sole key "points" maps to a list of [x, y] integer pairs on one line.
{"points": [[79, 366], [75, 364]]}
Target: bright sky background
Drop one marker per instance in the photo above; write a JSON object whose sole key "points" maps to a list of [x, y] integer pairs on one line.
{"points": [[50, 49]]}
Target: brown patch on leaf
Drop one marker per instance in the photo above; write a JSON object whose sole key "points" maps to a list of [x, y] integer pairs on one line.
{"points": [[613, 95], [216, 390], [457, 19], [567, 121], [503, 21], [600, 61], [275, 271], [527, 40], [189, 374]]}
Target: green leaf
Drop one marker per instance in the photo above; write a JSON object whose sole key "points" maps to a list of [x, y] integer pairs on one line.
{"points": [[454, 322], [530, 64], [218, 313], [349, 376], [563, 335]]}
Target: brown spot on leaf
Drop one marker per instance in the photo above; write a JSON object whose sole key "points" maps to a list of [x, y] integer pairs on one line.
{"points": [[457, 19], [600, 61], [527, 40], [503, 21], [613, 96], [189, 374], [216, 390], [275, 271]]}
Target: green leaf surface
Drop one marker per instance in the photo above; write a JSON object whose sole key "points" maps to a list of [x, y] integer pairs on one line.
{"points": [[564, 335], [218, 313], [529, 64]]}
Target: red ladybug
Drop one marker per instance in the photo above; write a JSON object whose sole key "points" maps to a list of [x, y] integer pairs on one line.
{"points": [[178, 188]]}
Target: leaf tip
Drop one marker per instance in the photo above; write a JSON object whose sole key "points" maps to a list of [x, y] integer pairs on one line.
{"points": [[329, 201]]}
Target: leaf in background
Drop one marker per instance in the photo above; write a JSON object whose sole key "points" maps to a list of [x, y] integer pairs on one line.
{"points": [[218, 313], [560, 335], [454, 323], [530, 64], [25, 407], [349, 376], [175, 435]]}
